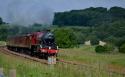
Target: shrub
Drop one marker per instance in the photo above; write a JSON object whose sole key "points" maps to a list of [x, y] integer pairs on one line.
{"points": [[109, 48], [100, 49], [122, 48]]}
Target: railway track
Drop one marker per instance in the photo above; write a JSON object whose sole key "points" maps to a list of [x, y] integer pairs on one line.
{"points": [[8, 52], [4, 50]]}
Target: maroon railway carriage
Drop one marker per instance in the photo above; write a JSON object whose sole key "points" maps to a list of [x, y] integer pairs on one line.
{"points": [[36, 44]]}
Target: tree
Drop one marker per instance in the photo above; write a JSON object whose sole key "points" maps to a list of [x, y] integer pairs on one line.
{"points": [[93, 39], [3, 32], [65, 38], [1, 21], [86, 17], [80, 37], [117, 12], [122, 48]]}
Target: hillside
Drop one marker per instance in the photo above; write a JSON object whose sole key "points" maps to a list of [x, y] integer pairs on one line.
{"points": [[93, 16]]}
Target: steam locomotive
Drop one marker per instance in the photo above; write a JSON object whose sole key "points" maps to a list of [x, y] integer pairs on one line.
{"points": [[40, 44]]}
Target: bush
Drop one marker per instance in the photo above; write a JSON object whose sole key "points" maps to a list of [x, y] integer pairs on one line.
{"points": [[122, 49], [100, 49], [108, 48], [120, 42]]}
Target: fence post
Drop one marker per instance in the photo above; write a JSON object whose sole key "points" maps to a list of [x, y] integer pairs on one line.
{"points": [[1, 72], [51, 60], [12, 73]]}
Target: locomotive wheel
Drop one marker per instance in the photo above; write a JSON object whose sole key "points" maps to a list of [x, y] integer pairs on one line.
{"points": [[42, 55], [32, 53]]}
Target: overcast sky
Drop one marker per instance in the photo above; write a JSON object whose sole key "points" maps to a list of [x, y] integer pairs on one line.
{"points": [[42, 11], [62, 5]]}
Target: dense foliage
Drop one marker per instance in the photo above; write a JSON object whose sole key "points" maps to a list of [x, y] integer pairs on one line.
{"points": [[108, 48], [65, 38], [89, 17], [102, 24], [100, 49], [1, 21], [3, 32], [122, 48]]}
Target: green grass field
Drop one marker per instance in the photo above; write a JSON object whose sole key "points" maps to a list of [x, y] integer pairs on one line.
{"points": [[87, 54], [96, 64]]}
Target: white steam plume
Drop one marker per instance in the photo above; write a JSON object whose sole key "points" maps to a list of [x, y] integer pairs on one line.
{"points": [[26, 12]]}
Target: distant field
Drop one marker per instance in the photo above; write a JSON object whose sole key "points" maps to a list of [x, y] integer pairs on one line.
{"points": [[86, 55]]}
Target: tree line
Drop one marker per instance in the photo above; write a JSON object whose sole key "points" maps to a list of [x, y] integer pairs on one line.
{"points": [[89, 17], [95, 24]]}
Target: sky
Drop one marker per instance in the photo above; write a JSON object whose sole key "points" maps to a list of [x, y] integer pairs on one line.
{"points": [[26, 12]]}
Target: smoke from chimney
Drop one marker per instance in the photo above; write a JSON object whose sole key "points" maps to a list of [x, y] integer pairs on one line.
{"points": [[26, 12]]}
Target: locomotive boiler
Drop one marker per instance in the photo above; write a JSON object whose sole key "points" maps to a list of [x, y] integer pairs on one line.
{"points": [[36, 44]]}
